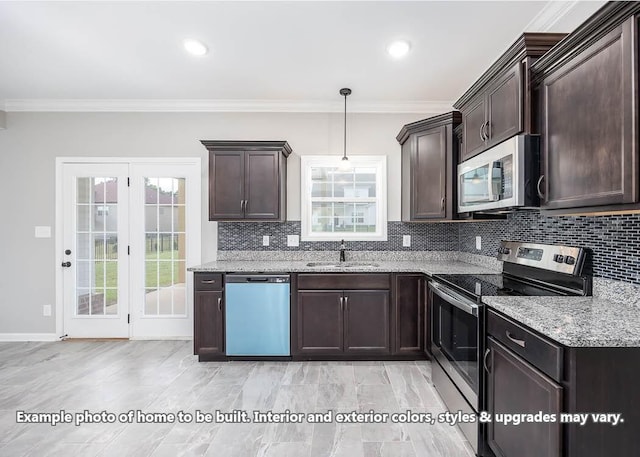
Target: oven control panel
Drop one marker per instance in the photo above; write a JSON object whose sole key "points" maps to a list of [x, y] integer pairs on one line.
{"points": [[561, 259]]}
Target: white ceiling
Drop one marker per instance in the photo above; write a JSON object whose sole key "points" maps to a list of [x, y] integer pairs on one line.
{"points": [[266, 53]]}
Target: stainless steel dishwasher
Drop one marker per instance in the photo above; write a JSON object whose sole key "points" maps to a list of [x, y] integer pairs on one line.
{"points": [[257, 315]]}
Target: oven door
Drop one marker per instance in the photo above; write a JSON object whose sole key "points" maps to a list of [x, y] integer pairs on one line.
{"points": [[455, 340]]}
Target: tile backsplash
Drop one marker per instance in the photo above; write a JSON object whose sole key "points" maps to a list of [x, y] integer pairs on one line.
{"points": [[613, 240], [247, 236]]}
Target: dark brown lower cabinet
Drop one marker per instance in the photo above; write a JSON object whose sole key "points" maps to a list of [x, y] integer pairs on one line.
{"points": [[409, 314], [366, 322], [208, 341], [320, 323], [350, 322], [516, 387]]}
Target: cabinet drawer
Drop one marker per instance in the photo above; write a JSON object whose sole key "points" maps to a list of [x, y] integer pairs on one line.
{"points": [[207, 281], [541, 353], [344, 281]]}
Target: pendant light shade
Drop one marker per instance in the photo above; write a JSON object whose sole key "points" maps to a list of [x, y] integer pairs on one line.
{"points": [[344, 162]]}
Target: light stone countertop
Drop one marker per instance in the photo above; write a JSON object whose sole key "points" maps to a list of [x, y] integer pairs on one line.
{"points": [[575, 321], [429, 267]]}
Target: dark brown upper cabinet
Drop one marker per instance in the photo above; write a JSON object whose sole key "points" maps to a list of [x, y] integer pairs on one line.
{"points": [[428, 168], [247, 180], [499, 105], [588, 92]]}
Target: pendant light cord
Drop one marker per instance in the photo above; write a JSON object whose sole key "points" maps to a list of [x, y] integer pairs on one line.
{"points": [[345, 127]]}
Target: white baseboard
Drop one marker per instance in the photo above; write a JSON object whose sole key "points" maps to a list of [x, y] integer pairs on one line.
{"points": [[5, 337], [161, 337]]}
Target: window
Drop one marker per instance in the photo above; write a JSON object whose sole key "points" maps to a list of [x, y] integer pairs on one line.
{"points": [[344, 204]]}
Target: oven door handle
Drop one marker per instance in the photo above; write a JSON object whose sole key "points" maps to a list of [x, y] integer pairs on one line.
{"points": [[453, 298]]}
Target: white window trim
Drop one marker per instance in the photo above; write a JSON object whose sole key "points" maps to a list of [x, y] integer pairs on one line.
{"points": [[378, 162]]}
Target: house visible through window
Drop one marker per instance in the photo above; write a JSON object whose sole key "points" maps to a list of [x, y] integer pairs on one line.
{"points": [[344, 204]]}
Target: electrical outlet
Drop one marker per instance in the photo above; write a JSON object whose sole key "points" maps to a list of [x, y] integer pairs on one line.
{"points": [[406, 241], [293, 240], [478, 243], [265, 240], [46, 310]]}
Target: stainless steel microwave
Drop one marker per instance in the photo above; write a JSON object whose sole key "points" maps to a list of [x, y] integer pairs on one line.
{"points": [[501, 177]]}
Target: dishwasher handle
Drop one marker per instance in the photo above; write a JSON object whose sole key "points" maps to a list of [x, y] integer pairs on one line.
{"points": [[257, 279]]}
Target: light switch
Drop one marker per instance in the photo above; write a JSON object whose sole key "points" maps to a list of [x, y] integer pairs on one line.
{"points": [[478, 243], [406, 241], [43, 231], [265, 240], [46, 310], [293, 240]]}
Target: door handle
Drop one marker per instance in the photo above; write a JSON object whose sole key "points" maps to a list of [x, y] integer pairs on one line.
{"points": [[540, 194], [482, 132], [484, 360], [520, 343], [341, 303], [66, 264], [219, 304], [485, 128], [241, 205]]}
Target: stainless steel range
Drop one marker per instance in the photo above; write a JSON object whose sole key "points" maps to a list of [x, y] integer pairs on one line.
{"points": [[458, 318]]}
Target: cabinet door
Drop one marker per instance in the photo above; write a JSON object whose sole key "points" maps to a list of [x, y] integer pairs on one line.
{"points": [[513, 387], [366, 322], [429, 175], [208, 338], [262, 185], [504, 107], [408, 313], [226, 185], [320, 322], [473, 119], [589, 155]]}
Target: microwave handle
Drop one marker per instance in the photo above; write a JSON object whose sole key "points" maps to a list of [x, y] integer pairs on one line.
{"points": [[490, 181]]}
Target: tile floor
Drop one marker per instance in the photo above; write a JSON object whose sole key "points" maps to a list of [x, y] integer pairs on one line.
{"points": [[164, 376]]}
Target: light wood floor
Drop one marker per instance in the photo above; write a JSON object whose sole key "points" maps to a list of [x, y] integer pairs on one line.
{"points": [[164, 376]]}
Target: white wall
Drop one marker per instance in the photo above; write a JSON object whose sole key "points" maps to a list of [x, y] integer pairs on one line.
{"points": [[32, 141]]}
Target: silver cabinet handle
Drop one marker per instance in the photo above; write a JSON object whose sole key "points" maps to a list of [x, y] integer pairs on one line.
{"points": [[442, 204], [341, 303], [208, 281], [219, 304], [484, 360], [245, 205], [241, 205], [520, 343], [540, 194], [485, 128], [346, 301], [482, 132]]}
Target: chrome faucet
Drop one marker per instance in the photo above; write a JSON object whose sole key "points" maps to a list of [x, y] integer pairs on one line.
{"points": [[342, 249]]}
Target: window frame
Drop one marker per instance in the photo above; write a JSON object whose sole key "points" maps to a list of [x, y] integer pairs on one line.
{"points": [[377, 162]]}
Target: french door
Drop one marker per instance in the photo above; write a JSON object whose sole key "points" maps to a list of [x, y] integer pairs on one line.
{"points": [[129, 230]]}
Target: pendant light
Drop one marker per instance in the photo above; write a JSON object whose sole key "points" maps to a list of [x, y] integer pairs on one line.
{"points": [[344, 163]]}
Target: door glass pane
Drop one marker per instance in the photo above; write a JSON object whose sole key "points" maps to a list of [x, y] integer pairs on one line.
{"points": [[165, 235], [96, 246]]}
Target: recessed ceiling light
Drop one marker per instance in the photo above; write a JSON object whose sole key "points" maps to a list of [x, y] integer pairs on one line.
{"points": [[195, 47], [398, 49]]}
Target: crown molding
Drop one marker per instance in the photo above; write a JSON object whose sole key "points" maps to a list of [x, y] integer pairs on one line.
{"points": [[224, 106], [550, 14]]}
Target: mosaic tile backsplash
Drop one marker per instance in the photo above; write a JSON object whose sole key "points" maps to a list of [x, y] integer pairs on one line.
{"points": [[613, 240]]}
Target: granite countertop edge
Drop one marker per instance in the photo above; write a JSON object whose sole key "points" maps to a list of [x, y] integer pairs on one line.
{"points": [[574, 322], [429, 267]]}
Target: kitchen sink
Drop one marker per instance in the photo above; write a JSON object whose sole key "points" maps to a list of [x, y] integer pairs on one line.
{"points": [[342, 264]]}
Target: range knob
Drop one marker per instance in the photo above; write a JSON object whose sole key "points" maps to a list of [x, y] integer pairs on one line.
{"points": [[558, 258], [505, 251], [569, 260]]}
